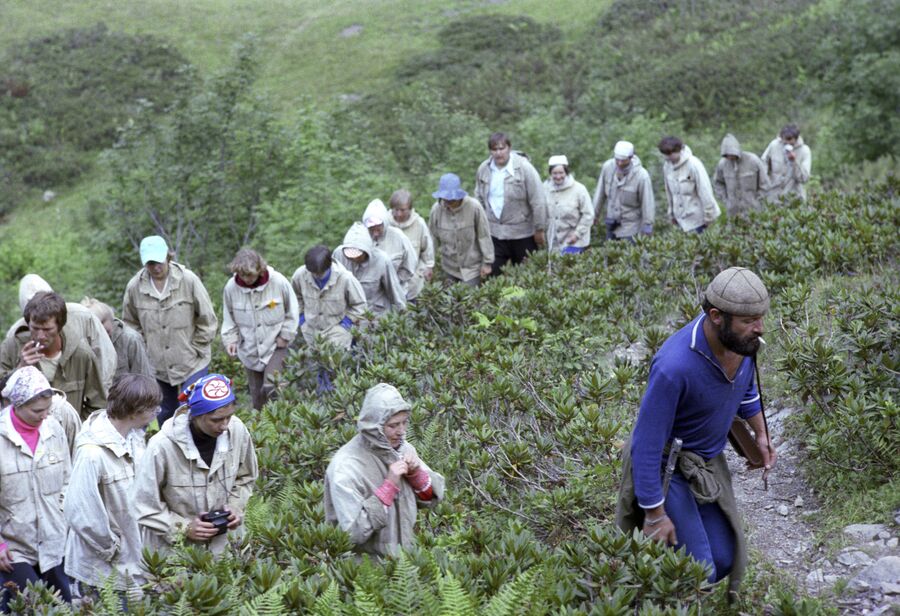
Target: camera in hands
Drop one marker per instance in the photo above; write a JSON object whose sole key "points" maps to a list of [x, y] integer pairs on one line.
{"points": [[219, 519]]}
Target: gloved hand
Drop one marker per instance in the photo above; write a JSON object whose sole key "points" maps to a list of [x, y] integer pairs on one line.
{"points": [[301, 320], [647, 229], [346, 323]]}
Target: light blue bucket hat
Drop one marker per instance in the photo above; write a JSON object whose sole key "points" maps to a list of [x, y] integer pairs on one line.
{"points": [[450, 188]]}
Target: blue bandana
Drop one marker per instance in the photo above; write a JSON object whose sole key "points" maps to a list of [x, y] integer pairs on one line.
{"points": [[207, 394]]}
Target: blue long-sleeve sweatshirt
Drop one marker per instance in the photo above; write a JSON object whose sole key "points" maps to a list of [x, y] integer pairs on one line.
{"points": [[689, 397]]}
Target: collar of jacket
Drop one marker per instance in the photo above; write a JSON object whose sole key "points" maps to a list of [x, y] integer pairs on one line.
{"points": [[699, 344], [413, 219], [179, 432], [685, 156], [7, 430], [99, 431], [512, 165], [176, 275], [568, 183], [260, 283]]}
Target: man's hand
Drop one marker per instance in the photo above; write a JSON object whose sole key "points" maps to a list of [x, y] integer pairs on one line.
{"points": [[675, 221], [413, 463], [281, 343], [201, 531], [658, 525], [571, 238], [486, 271], [231, 349], [791, 156], [427, 273], [396, 471], [234, 520], [5, 560], [769, 455], [539, 238], [30, 354]]}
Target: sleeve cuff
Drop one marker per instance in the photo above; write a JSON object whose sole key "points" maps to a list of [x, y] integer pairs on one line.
{"points": [[643, 506], [387, 492]]}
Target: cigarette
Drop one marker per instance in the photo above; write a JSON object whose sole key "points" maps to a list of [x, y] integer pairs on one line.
{"points": [[761, 340]]}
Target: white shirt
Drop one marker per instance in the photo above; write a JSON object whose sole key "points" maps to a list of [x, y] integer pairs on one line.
{"points": [[495, 196]]}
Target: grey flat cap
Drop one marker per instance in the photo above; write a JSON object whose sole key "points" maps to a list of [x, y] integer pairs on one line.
{"points": [[738, 291]]}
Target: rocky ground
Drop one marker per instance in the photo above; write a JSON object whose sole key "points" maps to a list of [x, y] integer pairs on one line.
{"points": [[863, 577]]}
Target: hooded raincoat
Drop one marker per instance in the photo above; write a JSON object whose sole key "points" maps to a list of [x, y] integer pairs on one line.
{"points": [[570, 211], [396, 246], [178, 327], [627, 199], [361, 466], [104, 538], [67, 417], [174, 485], [130, 351], [463, 237], [376, 274], [786, 177], [741, 183], [416, 231], [324, 308], [524, 199], [32, 489], [254, 318], [81, 324], [689, 192]]}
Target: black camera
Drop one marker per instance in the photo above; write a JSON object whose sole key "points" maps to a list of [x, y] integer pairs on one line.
{"points": [[219, 519]]}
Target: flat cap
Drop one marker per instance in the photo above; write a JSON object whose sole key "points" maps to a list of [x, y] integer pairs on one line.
{"points": [[738, 291]]}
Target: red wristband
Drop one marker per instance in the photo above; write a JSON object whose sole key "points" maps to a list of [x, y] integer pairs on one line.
{"points": [[387, 492]]}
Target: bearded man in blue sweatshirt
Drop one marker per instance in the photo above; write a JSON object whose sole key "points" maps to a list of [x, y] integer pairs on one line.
{"points": [[701, 378]]}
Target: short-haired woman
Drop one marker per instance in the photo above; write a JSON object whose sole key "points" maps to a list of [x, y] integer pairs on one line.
{"points": [[571, 212]]}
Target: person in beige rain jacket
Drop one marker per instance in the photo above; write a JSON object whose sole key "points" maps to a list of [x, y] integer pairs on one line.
{"points": [[373, 269], [34, 471], [394, 243], [201, 462], [692, 205], [460, 230], [414, 227], [624, 195], [509, 188], [375, 483], [71, 367], [740, 179], [331, 300], [169, 306], [571, 212], [131, 354], [259, 321], [81, 324], [67, 416], [789, 164], [104, 539]]}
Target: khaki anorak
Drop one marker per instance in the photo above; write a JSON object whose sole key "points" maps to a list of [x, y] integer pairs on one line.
{"points": [[524, 199], [416, 231], [174, 485], [254, 318], [77, 374], [570, 211], [689, 192], [627, 199], [376, 274], [400, 251], [32, 489], [741, 183], [178, 327], [324, 309], [130, 351], [67, 416], [463, 237], [104, 538], [786, 177], [361, 466]]}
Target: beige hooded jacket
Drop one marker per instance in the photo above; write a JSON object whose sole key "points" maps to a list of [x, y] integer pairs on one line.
{"points": [[254, 318], [570, 211], [741, 183], [376, 274], [178, 328], [67, 417], [174, 485], [396, 246], [32, 489], [131, 353], [786, 177], [77, 374], [361, 466], [689, 192], [81, 324], [324, 309], [627, 199], [416, 231], [104, 538], [524, 199], [463, 237]]}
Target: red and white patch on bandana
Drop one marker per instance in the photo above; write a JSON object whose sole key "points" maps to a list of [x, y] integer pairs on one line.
{"points": [[215, 389]]}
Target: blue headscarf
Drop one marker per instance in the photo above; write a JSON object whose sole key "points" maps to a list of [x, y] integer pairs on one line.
{"points": [[207, 394]]}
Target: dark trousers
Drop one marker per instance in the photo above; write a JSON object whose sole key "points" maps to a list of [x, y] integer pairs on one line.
{"points": [[170, 394], [23, 573], [260, 383], [511, 250]]}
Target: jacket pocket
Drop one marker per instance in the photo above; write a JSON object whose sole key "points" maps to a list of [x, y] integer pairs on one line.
{"points": [[686, 186], [272, 312], [16, 487], [180, 315], [116, 488], [629, 197], [50, 473]]}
